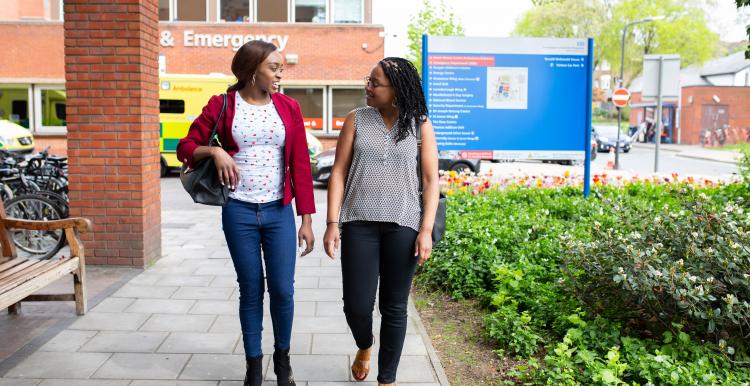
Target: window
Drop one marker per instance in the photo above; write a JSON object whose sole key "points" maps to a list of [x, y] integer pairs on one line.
{"points": [[53, 107], [56, 10], [347, 11], [60, 111], [310, 11], [311, 102], [171, 106], [164, 10], [19, 112], [272, 10], [235, 10], [343, 101], [14, 104], [191, 10]]}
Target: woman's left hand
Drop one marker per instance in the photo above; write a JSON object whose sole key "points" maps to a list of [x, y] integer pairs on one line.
{"points": [[423, 246], [306, 234]]}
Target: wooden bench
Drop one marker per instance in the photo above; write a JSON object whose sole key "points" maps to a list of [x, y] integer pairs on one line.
{"points": [[20, 278]]}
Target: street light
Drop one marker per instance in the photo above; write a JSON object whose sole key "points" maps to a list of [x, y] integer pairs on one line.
{"points": [[622, 67]]}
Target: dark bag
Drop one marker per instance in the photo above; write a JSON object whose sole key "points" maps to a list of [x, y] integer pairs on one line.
{"points": [[438, 229], [202, 181]]}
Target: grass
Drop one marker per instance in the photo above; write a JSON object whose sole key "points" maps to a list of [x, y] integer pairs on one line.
{"points": [[604, 121], [457, 333], [738, 147]]}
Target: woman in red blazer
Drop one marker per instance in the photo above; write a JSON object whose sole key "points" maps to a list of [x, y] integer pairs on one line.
{"points": [[264, 159]]}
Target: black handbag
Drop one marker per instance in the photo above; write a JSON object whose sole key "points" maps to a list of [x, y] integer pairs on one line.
{"points": [[438, 228], [202, 181]]}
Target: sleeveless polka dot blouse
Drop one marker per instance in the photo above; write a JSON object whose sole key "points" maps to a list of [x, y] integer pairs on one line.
{"points": [[382, 184]]}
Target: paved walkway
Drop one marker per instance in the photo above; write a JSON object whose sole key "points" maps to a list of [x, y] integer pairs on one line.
{"points": [[176, 323]]}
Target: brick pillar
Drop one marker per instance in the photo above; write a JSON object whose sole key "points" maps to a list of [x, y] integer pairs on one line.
{"points": [[111, 73]]}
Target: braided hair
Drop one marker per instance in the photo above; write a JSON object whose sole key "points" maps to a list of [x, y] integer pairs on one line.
{"points": [[412, 109]]}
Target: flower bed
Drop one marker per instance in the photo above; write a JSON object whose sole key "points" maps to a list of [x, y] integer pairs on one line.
{"points": [[646, 282]]}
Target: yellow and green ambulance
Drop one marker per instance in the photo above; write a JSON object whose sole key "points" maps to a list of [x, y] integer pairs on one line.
{"points": [[181, 100]]}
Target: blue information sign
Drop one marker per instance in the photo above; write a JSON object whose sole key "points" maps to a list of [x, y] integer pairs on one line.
{"points": [[510, 98]]}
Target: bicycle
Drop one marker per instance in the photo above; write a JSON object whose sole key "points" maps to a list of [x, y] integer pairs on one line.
{"points": [[39, 244]]}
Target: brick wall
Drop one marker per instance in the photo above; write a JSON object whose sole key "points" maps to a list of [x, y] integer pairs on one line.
{"points": [[737, 99], [36, 49], [113, 131], [326, 52]]}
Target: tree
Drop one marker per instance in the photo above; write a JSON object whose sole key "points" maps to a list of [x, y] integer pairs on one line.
{"points": [[740, 4], [566, 19], [685, 31], [432, 21]]}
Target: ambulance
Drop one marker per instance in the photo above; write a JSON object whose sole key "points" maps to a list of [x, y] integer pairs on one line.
{"points": [[181, 100]]}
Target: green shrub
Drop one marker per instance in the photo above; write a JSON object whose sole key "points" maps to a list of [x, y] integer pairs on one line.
{"points": [[545, 263], [659, 266]]}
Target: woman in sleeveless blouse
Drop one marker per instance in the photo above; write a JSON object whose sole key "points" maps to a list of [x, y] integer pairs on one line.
{"points": [[377, 211]]}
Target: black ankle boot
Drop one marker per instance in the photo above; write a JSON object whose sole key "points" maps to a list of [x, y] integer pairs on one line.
{"points": [[254, 374], [283, 368]]}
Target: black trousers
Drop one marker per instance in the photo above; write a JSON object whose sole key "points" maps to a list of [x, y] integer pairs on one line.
{"points": [[372, 250]]}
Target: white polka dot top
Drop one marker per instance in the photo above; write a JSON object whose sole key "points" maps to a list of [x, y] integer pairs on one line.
{"points": [[259, 133], [382, 184]]}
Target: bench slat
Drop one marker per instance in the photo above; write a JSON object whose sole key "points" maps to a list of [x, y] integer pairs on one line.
{"points": [[17, 268], [10, 263], [29, 287], [27, 274]]}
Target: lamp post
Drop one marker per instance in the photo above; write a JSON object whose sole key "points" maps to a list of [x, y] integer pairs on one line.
{"points": [[622, 68]]}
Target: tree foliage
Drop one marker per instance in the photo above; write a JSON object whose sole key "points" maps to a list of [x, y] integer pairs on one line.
{"points": [[684, 31], [434, 21], [740, 4], [566, 19]]}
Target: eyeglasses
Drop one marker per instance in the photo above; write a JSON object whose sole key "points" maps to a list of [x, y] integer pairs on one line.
{"points": [[369, 82]]}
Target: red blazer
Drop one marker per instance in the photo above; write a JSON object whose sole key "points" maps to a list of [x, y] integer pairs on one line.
{"points": [[297, 175]]}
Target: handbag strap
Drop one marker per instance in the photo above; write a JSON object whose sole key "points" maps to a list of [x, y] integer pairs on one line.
{"points": [[215, 132]]}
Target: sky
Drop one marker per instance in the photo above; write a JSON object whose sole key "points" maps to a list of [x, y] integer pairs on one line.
{"points": [[498, 17]]}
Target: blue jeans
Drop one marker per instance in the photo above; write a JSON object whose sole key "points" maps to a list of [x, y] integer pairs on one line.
{"points": [[248, 227]]}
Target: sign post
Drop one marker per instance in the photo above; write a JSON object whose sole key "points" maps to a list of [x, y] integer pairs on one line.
{"points": [[661, 79], [513, 98], [620, 98]]}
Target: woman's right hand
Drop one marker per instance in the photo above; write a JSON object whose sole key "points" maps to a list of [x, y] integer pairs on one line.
{"points": [[227, 169], [331, 239]]}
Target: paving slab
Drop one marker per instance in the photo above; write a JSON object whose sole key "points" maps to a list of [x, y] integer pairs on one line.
{"points": [[43, 364], [115, 341], [200, 342], [68, 341], [142, 366], [179, 323]]}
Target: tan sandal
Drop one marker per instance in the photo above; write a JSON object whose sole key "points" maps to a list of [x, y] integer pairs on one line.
{"points": [[361, 364]]}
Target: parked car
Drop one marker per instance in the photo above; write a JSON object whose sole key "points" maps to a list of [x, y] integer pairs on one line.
{"points": [[15, 138], [593, 149], [606, 136], [323, 162]]}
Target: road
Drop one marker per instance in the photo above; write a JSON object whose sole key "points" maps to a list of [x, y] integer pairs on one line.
{"points": [[639, 161]]}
